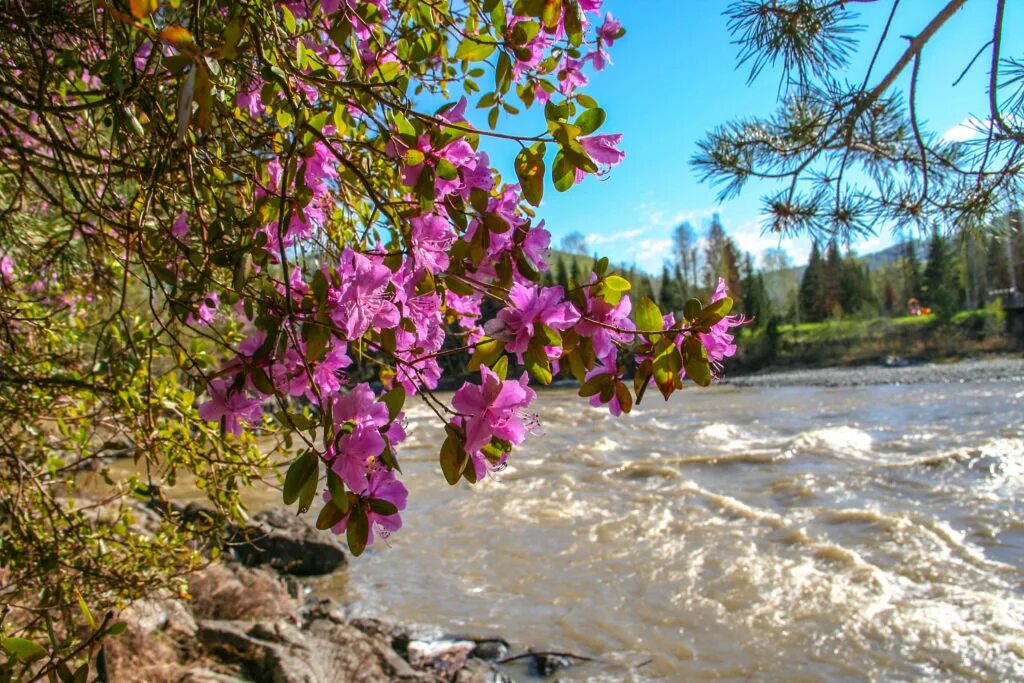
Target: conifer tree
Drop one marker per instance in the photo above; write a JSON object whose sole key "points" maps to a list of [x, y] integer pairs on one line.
{"points": [[812, 287], [940, 286]]}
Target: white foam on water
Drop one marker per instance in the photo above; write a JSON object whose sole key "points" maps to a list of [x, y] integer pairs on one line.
{"points": [[839, 441]]}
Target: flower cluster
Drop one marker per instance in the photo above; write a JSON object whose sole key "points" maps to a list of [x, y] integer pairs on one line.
{"points": [[334, 246]]}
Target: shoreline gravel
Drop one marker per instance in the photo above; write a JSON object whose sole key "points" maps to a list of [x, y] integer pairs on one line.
{"points": [[1003, 368]]}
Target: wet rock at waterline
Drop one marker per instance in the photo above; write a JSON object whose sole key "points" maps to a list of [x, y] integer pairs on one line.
{"points": [[289, 544]]}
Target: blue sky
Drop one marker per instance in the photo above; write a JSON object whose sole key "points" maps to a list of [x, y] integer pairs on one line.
{"points": [[675, 78]]}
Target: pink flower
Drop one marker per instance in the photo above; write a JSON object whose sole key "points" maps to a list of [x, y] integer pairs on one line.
{"points": [[493, 409], [572, 76], [536, 245], [382, 485], [718, 342], [607, 365], [432, 237], [6, 269], [326, 376], [602, 149], [529, 307], [604, 323], [180, 227], [362, 301], [229, 407], [354, 454], [206, 312]]}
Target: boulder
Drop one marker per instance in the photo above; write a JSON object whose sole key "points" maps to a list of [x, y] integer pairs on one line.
{"points": [[167, 615], [289, 544], [324, 651], [201, 674], [479, 671]]}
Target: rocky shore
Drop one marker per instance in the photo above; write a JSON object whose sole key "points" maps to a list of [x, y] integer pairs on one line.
{"points": [[896, 371], [250, 617]]}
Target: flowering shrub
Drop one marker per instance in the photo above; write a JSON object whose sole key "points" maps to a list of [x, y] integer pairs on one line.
{"points": [[237, 219]]}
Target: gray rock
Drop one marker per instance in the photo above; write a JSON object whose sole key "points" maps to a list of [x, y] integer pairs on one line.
{"points": [[325, 652], [478, 671], [544, 664], [165, 614], [289, 544], [204, 675]]}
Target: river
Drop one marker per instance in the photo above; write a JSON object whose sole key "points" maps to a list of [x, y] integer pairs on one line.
{"points": [[738, 533]]}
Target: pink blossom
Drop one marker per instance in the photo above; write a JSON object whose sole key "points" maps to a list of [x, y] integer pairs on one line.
{"points": [[229, 407], [180, 227], [362, 301], [326, 376], [605, 323], [493, 409], [528, 308], [602, 149], [206, 312], [607, 365], [381, 485], [572, 76], [432, 237], [354, 454], [6, 269], [718, 342]]}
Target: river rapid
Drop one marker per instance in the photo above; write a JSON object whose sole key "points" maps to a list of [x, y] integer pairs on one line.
{"points": [[738, 533]]}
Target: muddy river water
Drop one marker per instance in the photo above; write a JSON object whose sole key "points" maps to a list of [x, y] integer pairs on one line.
{"points": [[755, 533]]}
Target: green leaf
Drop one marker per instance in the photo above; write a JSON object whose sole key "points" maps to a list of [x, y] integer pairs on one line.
{"points": [[648, 315], [476, 48], [395, 401], [590, 120], [698, 368], [329, 516], [530, 171], [453, 456], [546, 336], [308, 492], [714, 312], [537, 363], [574, 22], [320, 287], [594, 385], [117, 628], [500, 368], [617, 283], [563, 172], [692, 309], [487, 351], [641, 379], [358, 532], [625, 400], [317, 337], [414, 157], [528, 8], [495, 223], [666, 366], [85, 610], [383, 507], [446, 170], [306, 467], [336, 487], [551, 14], [23, 649]]}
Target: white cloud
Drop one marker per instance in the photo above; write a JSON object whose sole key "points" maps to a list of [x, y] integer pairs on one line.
{"points": [[594, 239], [973, 128], [970, 128], [649, 254]]}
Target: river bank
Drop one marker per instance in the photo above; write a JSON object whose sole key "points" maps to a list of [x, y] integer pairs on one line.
{"points": [[897, 371], [253, 615]]}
